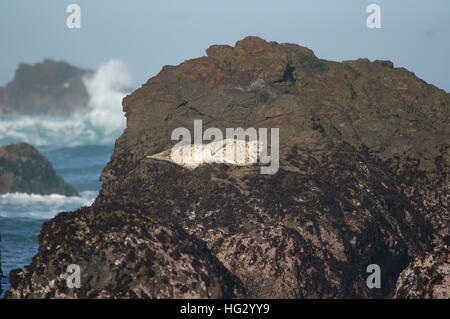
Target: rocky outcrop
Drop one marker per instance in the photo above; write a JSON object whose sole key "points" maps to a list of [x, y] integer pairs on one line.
{"points": [[50, 88], [123, 253], [427, 277], [3, 108], [362, 144], [24, 170]]}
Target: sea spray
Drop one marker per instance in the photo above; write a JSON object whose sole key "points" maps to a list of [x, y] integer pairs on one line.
{"points": [[101, 125], [21, 215], [107, 88], [21, 205], [72, 145]]}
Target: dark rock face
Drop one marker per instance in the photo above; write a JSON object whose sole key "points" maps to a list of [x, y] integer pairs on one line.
{"points": [[50, 87], [1, 270], [310, 231], [23, 169], [122, 253], [363, 175], [427, 277]]}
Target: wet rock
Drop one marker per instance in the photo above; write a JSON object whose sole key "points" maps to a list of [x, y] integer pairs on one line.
{"points": [[309, 231], [122, 252], [427, 277]]}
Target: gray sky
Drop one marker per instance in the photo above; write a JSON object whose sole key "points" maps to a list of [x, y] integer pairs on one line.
{"points": [[147, 34]]}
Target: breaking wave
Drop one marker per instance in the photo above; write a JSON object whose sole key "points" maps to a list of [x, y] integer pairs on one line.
{"points": [[103, 124], [21, 205]]}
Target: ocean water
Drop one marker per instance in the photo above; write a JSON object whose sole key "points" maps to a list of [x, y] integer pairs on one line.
{"points": [[78, 146]]}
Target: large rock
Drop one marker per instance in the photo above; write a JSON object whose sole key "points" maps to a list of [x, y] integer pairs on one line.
{"points": [[50, 87], [24, 170], [122, 253], [362, 145]]}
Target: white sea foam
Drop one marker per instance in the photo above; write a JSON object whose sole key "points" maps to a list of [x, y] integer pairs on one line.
{"points": [[107, 89], [101, 125], [41, 206]]}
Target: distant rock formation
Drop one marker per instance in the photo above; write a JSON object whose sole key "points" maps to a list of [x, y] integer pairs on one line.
{"points": [[363, 179], [3, 108], [46, 88], [24, 170]]}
